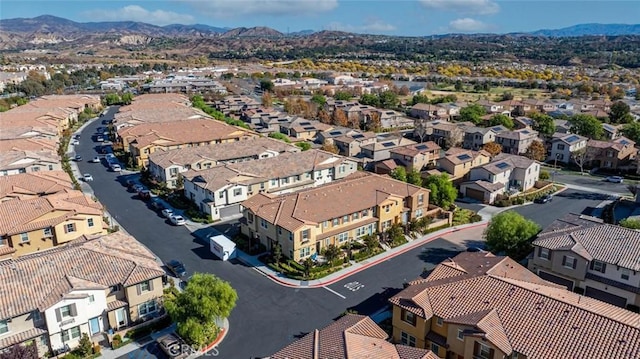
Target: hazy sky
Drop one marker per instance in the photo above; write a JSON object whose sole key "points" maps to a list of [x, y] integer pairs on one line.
{"points": [[408, 17]]}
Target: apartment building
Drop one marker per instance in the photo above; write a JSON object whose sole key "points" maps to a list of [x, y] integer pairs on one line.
{"points": [[351, 336], [516, 142], [227, 185], [34, 224], [167, 166], [586, 255], [92, 285], [564, 145], [481, 306], [306, 222], [33, 185]]}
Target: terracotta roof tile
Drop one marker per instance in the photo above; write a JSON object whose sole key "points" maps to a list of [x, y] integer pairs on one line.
{"points": [[21, 337], [24, 185]]}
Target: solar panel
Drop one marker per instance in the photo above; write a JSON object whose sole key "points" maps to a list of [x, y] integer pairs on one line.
{"points": [[388, 144], [526, 132], [309, 128], [335, 133], [358, 136], [502, 165], [624, 142], [464, 157], [422, 147], [305, 123], [497, 128]]}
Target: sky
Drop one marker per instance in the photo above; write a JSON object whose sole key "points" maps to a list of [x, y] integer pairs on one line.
{"points": [[399, 17]]}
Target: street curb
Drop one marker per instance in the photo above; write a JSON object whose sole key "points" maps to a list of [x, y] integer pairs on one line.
{"points": [[368, 265]]}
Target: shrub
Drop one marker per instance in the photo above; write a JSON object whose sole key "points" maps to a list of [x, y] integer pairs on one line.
{"points": [[96, 349], [116, 341], [544, 175]]}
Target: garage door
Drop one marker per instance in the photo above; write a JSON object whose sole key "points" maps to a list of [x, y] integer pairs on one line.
{"points": [[555, 279], [475, 194], [605, 297]]}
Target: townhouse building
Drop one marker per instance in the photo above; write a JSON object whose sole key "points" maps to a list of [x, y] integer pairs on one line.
{"points": [[235, 104], [306, 222], [33, 185], [504, 174], [482, 306], [516, 142], [475, 137], [350, 144], [16, 162], [168, 166], [227, 185], [611, 155], [428, 112], [351, 336], [417, 157], [588, 256], [380, 150], [564, 145], [89, 286], [458, 162], [300, 128]]}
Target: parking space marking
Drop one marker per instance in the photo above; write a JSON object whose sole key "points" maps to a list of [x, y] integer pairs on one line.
{"points": [[354, 286], [334, 292]]}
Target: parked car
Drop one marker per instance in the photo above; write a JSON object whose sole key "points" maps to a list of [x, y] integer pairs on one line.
{"points": [[174, 346], [110, 156], [157, 204], [177, 220], [116, 168], [77, 158], [543, 199], [87, 177], [96, 159], [144, 195], [75, 142], [176, 267], [137, 188], [614, 179], [167, 212], [99, 138]]}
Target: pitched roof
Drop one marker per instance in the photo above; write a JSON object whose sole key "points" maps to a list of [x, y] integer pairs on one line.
{"points": [[34, 184], [518, 135], [365, 190], [513, 308], [415, 149], [352, 336], [504, 161], [457, 155], [39, 280], [28, 144]]}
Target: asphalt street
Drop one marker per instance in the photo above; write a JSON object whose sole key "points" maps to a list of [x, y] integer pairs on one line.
{"points": [[592, 181], [269, 316]]}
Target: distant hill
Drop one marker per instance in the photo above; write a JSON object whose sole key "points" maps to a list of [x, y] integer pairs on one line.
{"points": [[259, 31], [591, 29]]}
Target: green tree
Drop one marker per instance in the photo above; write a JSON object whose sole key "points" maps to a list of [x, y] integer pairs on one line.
{"points": [[458, 86], [544, 124], [509, 233], [399, 173], [443, 192], [342, 96], [205, 299], [305, 146], [388, 99], [414, 177], [630, 223], [112, 99], [632, 131], [319, 99], [126, 98], [179, 180], [506, 96], [280, 136], [419, 99], [586, 125], [472, 113], [276, 255], [266, 85], [620, 113], [331, 252], [371, 243], [370, 100], [85, 346], [307, 264], [500, 119]]}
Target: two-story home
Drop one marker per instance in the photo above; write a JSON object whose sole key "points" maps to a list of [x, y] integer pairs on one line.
{"points": [[306, 222], [482, 306], [458, 162], [167, 166], [475, 137], [504, 174], [90, 286], [516, 142], [350, 144], [586, 255], [443, 133], [235, 104], [351, 336], [15, 162], [611, 155], [611, 132], [229, 184], [380, 150], [416, 157], [428, 112], [302, 129], [564, 145], [35, 224]]}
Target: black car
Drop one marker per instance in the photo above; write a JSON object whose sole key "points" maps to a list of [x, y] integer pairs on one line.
{"points": [[157, 204], [176, 267], [543, 199]]}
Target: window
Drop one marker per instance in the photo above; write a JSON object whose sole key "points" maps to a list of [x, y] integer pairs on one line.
{"points": [[482, 351], [435, 348], [69, 227], [439, 321], [569, 262], [3, 241], [409, 317], [408, 339], [221, 194], [420, 199], [147, 308], [560, 147], [35, 169], [336, 221], [4, 326], [461, 334], [250, 217], [387, 208], [263, 223], [24, 237], [304, 252], [343, 236], [37, 316], [70, 334], [284, 181], [543, 253], [305, 235], [65, 311], [237, 191], [598, 266], [419, 213], [274, 182], [625, 274], [325, 224], [92, 298], [355, 215], [365, 213], [345, 219], [280, 230], [145, 286], [90, 222]]}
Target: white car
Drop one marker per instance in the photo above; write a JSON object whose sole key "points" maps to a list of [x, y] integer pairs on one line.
{"points": [[177, 220], [87, 177], [116, 168], [100, 139], [614, 179], [75, 142], [167, 212], [109, 156], [96, 159]]}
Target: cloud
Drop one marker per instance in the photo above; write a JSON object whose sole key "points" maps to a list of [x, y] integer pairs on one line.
{"points": [[479, 7], [467, 25], [138, 13], [370, 25], [237, 8]]}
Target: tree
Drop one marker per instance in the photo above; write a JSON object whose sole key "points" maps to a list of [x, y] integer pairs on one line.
{"points": [[330, 147], [179, 180], [493, 148], [399, 173], [420, 99], [414, 177], [20, 351], [632, 131], [85, 346], [509, 233], [404, 91], [443, 192], [307, 265], [630, 223], [472, 113], [458, 86], [370, 100], [544, 124], [454, 137], [536, 151], [620, 113], [280, 136], [342, 96], [374, 124], [506, 96], [580, 157], [319, 99], [331, 253], [205, 299], [304, 146], [266, 85], [267, 100], [339, 118], [371, 243], [276, 255], [388, 99], [500, 119], [586, 125]]}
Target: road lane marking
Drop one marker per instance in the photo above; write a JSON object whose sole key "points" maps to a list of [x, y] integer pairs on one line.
{"points": [[334, 292], [354, 286]]}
